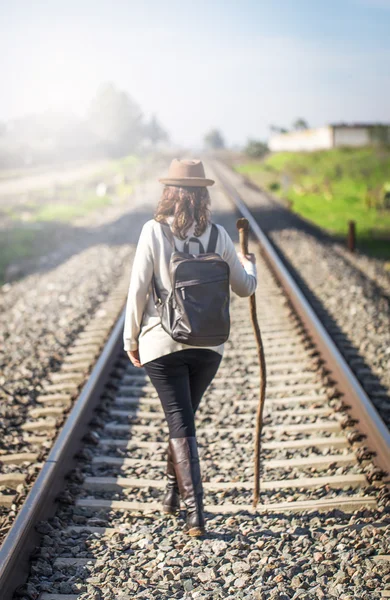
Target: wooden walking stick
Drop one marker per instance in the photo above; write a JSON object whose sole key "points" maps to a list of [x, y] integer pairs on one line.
{"points": [[243, 230]]}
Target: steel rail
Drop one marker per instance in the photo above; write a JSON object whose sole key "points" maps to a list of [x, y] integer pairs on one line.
{"points": [[40, 502], [361, 407]]}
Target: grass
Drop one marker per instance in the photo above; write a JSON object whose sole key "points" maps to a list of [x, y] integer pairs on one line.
{"points": [[31, 232], [15, 244], [332, 187], [128, 161], [65, 212], [29, 222], [124, 190]]}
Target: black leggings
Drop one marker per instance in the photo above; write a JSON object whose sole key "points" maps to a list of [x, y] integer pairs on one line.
{"points": [[181, 379]]}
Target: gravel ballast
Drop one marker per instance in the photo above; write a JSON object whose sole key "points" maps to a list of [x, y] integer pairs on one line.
{"points": [[42, 314], [350, 293], [253, 558], [112, 554]]}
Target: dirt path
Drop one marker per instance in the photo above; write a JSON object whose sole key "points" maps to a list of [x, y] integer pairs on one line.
{"points": [[38, 181]]}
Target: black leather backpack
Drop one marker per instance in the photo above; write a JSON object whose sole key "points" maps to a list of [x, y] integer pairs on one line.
{"points": [[196, 309]]}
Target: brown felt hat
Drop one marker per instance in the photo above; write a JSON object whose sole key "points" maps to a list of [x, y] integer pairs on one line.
{"points": [[186, 172]]}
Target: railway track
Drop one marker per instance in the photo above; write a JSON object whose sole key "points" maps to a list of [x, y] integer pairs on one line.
{"points": [[53, 403], [324, 450]]}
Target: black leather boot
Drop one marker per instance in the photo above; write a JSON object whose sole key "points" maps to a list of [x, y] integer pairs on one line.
{"points": [[171, 501], [186, 462]]}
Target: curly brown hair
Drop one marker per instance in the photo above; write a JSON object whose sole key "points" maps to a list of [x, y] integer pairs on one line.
{"points": [[186, 205]]}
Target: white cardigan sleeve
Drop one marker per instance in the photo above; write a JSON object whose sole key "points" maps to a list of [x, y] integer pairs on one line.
{"points": [[243, 280], [140, 280]]}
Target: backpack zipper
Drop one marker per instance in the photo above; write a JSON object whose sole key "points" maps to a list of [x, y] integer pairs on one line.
{"points": [[184, 284]]}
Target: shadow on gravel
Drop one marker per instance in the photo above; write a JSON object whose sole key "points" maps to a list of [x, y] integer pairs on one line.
{"points": [[279, 218], [55, 242], [371, 383], [69, 240], [317, 521]]}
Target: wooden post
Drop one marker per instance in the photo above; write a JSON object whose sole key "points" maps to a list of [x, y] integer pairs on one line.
{"points": [[351, 242]]}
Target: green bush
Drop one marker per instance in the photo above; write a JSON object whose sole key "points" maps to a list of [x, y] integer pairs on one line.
{"points": [[256, 149], [386, 195]]}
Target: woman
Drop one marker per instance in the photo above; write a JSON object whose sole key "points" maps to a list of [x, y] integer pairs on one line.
{"points": [[180, 373]]}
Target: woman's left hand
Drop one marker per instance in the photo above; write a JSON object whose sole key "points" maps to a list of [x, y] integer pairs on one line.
{"points": [[134, 357], [246, 258]]}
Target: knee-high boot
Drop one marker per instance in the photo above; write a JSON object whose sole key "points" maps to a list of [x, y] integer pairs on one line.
{"points": [[171, 501], [186, 462]]}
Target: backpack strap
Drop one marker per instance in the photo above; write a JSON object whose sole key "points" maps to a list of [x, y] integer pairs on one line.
{"points": [[211, 246], [213, 238], [156, 292], [168, 234]]}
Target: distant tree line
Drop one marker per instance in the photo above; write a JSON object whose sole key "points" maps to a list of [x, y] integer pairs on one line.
{"points": [[117, 121], [113, 127], [213, 140], [258, 149], [298, 125]]}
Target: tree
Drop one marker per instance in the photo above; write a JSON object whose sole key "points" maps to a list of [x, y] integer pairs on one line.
{"points": [[213, 139], [154, 132], [277, 129], [300, 124], [116, 119], [380, 135], [256, 149]]}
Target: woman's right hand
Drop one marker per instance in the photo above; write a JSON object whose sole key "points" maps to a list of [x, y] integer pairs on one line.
{"points": [[243, 258], [134, 357]]}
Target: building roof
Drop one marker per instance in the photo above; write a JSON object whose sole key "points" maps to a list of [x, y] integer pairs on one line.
{"points": [[359, 125]]}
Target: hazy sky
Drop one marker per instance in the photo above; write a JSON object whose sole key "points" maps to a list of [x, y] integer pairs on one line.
{"points": [[236, 65]]}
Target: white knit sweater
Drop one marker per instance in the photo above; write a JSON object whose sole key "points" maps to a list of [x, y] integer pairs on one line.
{"points": [[143, 328]]}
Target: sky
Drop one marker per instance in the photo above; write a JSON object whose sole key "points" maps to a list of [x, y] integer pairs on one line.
{"points": [[235, 65]]}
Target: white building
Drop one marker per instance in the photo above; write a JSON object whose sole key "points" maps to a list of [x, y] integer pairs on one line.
{"points": [[330, 136]]}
